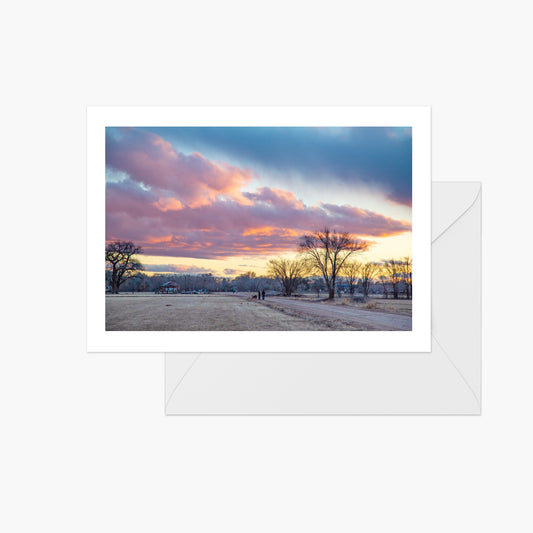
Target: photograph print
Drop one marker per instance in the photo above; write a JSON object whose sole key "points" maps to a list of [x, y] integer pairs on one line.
{"points": [[259, 229]]}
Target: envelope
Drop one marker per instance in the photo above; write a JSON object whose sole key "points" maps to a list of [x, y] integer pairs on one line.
{"points": [[445, 381]]}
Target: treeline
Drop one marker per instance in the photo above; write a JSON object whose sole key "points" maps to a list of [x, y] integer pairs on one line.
{"points": [[326, 262], [330, 256], [245, 282], [392, 278], [142, 282], [389, 279]]}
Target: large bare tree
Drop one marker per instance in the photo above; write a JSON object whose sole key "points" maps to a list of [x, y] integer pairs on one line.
{"points": [[326, 252], [289, 272], [121, 262]]}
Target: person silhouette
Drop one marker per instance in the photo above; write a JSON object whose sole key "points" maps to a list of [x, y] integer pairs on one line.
{"points": [[263, 294]]}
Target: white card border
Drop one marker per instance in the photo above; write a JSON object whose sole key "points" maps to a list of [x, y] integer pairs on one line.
{"points": [[417, 340]]}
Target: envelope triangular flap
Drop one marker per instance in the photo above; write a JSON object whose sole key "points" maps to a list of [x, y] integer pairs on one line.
{"points": [[457, 199], [456, 276]]}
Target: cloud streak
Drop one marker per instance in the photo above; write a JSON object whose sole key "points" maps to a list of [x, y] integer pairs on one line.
{"points": [[179, 269]]}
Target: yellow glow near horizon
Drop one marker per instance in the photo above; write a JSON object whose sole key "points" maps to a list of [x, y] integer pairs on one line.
{"points": [[384, 248]]}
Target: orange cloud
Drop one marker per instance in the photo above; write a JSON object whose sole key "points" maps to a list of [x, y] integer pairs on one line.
{"points": [[168, 204], [266, 231]]}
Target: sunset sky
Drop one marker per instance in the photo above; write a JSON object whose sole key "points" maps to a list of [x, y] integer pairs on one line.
{"points": [[225, 200]]}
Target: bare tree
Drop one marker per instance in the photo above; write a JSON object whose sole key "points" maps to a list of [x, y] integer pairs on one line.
{"points": [[350, 271], [407, 272], [383, 280], [289, 272], [247, 281], [367, 273], [326, 252], [393, 270], [121, 262]]}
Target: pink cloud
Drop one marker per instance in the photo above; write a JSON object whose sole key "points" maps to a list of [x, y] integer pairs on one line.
{"points": [[275, 197], [227, 228], [180, 205], [191, 179]]}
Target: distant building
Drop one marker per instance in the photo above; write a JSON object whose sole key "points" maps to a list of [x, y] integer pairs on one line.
{"points": [[170, 287]]}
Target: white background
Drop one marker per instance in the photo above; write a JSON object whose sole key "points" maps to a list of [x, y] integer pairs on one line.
{"points": [[85, 446]]}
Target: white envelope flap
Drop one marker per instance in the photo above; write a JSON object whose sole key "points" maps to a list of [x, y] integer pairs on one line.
{"points": [[450, 203], [456, 278]]}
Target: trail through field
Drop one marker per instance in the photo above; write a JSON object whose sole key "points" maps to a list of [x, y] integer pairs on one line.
{"points": [[372, 320]]}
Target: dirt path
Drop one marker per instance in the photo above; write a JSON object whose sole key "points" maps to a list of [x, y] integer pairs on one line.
{"points": [[371, 320]]}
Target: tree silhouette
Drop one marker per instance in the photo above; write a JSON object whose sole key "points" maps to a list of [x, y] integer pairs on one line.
{"points": [[350, 271], [288, 272], [122, 264], [326, 252]]}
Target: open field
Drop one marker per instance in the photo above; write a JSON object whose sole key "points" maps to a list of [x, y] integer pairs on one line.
{"points": [[239, 312]]}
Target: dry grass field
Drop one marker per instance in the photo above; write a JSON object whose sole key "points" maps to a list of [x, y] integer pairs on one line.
{"points": [[239, 312], [184, 312], [386, 305]]}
